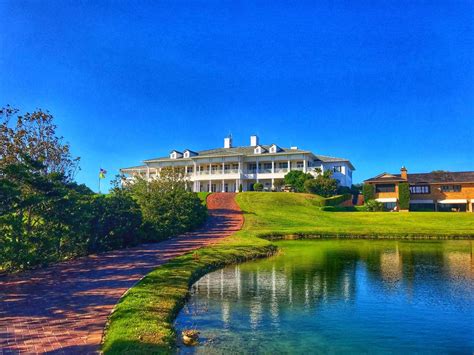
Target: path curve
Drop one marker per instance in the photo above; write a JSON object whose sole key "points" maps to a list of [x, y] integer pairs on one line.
{"points": [[63, 309]]}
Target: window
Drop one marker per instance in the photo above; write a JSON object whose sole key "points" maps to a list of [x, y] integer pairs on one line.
{"points": [[420, 189], [385, 188], [267, 166], [451, 188], [299, 164], [337, 168], [389, 206], [283, 165]]}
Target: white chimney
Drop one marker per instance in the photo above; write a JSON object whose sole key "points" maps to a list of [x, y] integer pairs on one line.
{"points": [[228, 142], [253, 141]]}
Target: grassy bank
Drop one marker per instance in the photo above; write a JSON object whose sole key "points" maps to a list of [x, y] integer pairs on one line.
{"points": [[277, 214], [142, 320]]}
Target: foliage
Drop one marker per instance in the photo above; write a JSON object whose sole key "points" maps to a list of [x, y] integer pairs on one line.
{"points": [[34, 135], [333, 200], [240, 188], [45, 218], [368, 190], [374, 206], [323, 184], [168, 208], [404, 195], [258, 186], [296, 179], [278, 184]]}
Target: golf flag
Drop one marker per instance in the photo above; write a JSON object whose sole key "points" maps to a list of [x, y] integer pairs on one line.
{"points": [[102, 173]]}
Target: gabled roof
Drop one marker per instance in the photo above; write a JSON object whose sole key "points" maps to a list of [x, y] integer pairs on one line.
{"points": [[386, 177], [435, 177], [441, 177], [234, 151]]}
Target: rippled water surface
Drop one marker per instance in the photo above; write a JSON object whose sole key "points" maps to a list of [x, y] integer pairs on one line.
{"points": [[339, 296]]}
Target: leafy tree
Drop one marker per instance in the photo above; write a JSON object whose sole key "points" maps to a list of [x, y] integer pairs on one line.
{"points": [[34, 135], [296, 179], [323, 184], [404, 195], [258, 186], [167, 206], [368, 190], [279, 183]]}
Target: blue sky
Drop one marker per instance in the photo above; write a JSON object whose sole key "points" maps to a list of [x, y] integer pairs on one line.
{"points": [[383, 84]]}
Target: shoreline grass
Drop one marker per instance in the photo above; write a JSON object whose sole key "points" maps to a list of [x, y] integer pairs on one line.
{"points": [[142, 321]]}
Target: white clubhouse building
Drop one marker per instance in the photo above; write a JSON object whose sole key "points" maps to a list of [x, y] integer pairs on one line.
{"points": [[225, 169]]}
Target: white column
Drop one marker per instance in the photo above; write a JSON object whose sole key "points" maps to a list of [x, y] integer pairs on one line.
{"points": [[210, 169], [194, 168], [147, 173], [304, 165], [273, 183], [223, 167], [289, 165], [222, 187], [210, 187], [256, 171], [236, 185], [273, 166]]}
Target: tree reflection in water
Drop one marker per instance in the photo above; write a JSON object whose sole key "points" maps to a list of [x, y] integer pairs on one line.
{"points": [[339, 295]]}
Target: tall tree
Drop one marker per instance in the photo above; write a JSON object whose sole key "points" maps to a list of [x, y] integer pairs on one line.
{"points": [[34, 135]]}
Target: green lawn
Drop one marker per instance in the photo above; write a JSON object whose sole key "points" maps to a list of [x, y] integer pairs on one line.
{"points": [[290, 213], [203, 196]]}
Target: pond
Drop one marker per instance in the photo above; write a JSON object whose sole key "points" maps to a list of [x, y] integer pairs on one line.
{"points": [[339, 296]]}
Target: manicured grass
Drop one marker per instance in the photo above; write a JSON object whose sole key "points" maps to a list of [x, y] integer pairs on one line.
{"points": [[142, 320], [203, 196], [290, 213]]}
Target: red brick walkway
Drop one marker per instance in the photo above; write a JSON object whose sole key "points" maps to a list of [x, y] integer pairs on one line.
{"points": [[63, 308]]}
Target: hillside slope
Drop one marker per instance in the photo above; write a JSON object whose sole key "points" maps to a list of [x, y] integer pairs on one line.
{"points": [[291, 213]]}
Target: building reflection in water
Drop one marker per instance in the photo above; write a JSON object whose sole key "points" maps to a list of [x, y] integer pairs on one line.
{"points": [[277, 286]]}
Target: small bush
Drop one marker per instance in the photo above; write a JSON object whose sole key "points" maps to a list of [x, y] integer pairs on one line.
{"points": [[374, 206], [258, 186]]}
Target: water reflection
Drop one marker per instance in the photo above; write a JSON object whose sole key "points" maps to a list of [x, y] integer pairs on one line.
{"points": [[333, 285]]}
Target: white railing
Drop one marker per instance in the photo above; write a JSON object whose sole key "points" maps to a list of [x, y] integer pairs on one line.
{"points": [[281, 170]]}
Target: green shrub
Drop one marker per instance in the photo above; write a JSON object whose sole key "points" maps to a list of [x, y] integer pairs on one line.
{"points": [[368, 191], [296, 179], [323, 184], [404, 195], [374, 206], [258, 186], [333, 201]]}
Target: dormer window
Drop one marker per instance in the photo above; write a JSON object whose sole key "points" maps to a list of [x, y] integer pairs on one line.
{"points": [[189, 153], [175, 154], [274, 148], [259, 150]]}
